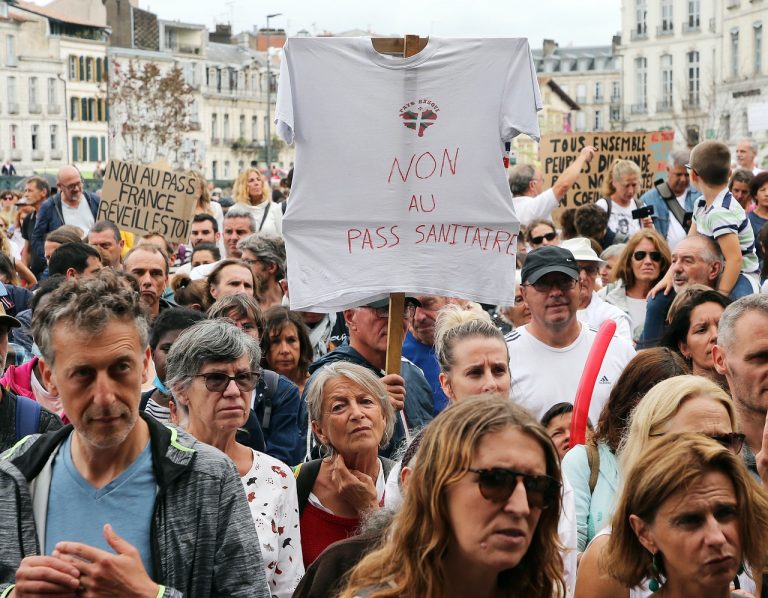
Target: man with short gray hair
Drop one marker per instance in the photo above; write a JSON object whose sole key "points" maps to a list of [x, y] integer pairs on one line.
{"points": [[265, 254], [239, 222], [741, 355], [530, 200], [69, 523], [673, 199], [746, 155]]}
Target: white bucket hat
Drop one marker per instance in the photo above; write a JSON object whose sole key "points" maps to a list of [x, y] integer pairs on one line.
{"points": [[581, 248]]}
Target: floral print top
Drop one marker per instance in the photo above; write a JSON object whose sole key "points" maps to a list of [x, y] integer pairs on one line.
{"points": [[271, 491]]}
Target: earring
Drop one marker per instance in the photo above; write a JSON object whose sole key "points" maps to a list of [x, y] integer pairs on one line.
{"points": [[655, 584]]}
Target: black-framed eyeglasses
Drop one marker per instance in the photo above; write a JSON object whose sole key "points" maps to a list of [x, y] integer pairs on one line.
{"points": [[383, 312], [545, 286], [72, 186], [218, 381], [641, 255], [498, 483], [691, 168], [590, 269], [540, 239]]}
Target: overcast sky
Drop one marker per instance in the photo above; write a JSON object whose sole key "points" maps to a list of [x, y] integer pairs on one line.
{"points": [[566, 21]]}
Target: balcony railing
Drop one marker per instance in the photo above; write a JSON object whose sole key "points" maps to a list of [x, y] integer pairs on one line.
{"points": [[663, 30], [688, 28], [664, 106], [636, 35], [639, 109]]}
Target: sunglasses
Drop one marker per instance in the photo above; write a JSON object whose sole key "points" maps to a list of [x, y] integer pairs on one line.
{"points": [[733, 441], [383, 312], [218, 381], [590, 269], [640, 255], [545, 286], [498, 483], [540, 239]]}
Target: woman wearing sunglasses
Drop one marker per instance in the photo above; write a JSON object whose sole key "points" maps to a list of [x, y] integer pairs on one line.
{"points": [[540, 233], [678, 405], [642, 264], [689, 518], [212, 369], [480, 513]]}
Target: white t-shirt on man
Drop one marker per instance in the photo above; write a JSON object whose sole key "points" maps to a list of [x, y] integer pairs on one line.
{"points": [[529, 208], [81, 216], [543, 376]]}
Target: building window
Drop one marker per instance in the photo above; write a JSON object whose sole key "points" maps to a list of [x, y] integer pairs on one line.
{"points": [[99, 70], [35, 137], [89, 69], [226, 169], [33, 90], [214, 168], [225, 132], [75, 149], [10, 50], [81, 68], [598, 120], [93, 148], [666, 16], [255, 128], [581, 120], [74, 109], [616, 91], [694, 14], [84, 115], [641, 83], [14, 136], [52, 92], [54, 137], [103, 153], [598, 91], [12, 98], [725, 125], [693, 78], [758, 45], [667, 82], [581, 93], [214, 126], [72, 68], [241, 132], [734, 53], [641, 16]]}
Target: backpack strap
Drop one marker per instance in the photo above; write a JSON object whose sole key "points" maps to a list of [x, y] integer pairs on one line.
{"points": [[27, 417], [266, 213], [669, 198], [271, 380], [305, 474], [593, 459], [609, 207]]}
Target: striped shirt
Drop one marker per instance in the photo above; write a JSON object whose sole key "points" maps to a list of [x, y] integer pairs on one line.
{"points": [[726, 216]]}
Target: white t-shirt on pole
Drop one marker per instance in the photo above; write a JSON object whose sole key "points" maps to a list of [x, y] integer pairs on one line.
{"points": [[399, 167], [543, 376]]}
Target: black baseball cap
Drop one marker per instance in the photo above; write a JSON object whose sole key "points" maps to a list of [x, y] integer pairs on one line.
{"points": [[548, 259]]}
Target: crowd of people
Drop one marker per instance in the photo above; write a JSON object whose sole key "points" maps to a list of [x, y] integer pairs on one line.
{"points": [[169, 427]]}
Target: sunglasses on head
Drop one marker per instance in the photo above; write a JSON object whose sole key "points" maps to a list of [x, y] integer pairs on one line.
{"points": [[498, 483], [733, 441], [640, 255], [540, 239], [218, 381]]}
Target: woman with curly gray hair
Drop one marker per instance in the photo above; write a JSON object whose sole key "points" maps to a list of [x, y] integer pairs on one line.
{"points": [[212, 370]]}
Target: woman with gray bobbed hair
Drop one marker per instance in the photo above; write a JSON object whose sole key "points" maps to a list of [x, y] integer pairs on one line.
{"points": [[212, 370], [351, 419]]}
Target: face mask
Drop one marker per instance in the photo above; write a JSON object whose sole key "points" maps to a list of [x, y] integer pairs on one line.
{"points": [[50, 401], [160, 386], [36, 351]]}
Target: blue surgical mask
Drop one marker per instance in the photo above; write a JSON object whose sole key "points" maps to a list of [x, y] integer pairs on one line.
{"points": [[36, 351], [160, 386]]}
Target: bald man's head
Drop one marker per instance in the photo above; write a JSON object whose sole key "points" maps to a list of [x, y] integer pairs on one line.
{"points": [[69, 182]]}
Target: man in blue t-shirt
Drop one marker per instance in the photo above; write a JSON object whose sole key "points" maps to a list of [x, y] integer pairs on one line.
{"points": [[116, 503], [419, 344]]}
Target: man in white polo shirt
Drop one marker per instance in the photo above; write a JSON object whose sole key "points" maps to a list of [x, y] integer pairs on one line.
{"points": [[547, 356]]}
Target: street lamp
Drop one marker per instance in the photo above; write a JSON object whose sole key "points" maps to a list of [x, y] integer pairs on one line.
{"points": [[269, 99]]}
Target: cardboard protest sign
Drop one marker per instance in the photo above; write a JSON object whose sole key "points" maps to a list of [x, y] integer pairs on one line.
{"points": [[144, 200], [648, 150]]}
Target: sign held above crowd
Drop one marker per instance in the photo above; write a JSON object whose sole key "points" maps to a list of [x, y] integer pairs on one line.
{"points": [[145, 200], [648, 150]]}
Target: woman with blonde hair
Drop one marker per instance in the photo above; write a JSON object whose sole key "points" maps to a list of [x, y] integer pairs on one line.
{"points": [[678, 405], [252, 190], [643, 263], [689, 517], [471, 352], [480, 515], [620, 189]]}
